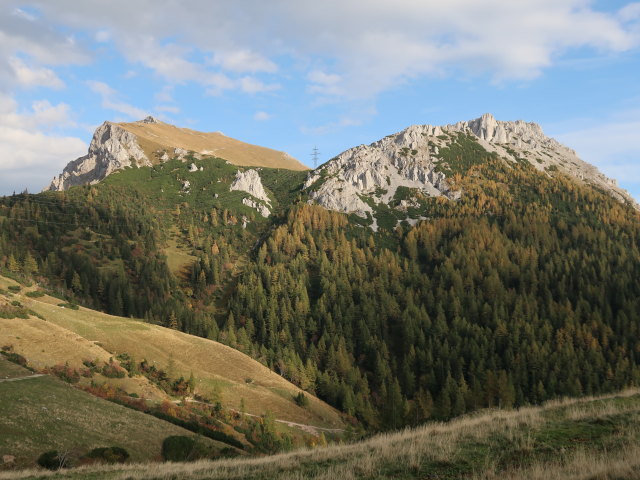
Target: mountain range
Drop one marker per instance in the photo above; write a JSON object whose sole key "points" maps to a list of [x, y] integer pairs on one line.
{"points": [[432, 273]]}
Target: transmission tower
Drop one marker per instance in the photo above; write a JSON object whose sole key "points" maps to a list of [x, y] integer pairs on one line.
{"points": [[315, 153]]}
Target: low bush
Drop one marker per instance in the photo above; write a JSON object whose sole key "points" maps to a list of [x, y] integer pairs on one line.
{"points": [[178, 448], [35, 294], [64, 372], [14, 288], [8, 353], [301, 399], [52, 460], [108, 455], [111, 370]]}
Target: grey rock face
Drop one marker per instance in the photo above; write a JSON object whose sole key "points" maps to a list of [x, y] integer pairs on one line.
{"points": [[112, 148], [527, 141], [377, 170], [409, 159], [249, 181]]}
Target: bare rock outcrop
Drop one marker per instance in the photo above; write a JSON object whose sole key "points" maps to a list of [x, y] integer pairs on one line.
{"points": [[515, 140], [249, 181], [112, 148], [377, 170], [370, 174]]}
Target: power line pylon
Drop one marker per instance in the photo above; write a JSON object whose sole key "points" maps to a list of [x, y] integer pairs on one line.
{"points": [[315, 153]]}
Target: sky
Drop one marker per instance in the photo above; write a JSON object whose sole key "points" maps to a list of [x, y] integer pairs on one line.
{"points": [[294, 74]]}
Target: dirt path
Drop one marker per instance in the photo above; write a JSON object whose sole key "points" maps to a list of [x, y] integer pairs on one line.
{"points": [[21, 378]]}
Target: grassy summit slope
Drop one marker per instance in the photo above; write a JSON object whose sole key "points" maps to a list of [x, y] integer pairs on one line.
{"points": [[159, 136], [593, 437]]}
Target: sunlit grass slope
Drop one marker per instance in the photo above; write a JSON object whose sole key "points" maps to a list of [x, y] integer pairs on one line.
{"points": [[72, 336]]}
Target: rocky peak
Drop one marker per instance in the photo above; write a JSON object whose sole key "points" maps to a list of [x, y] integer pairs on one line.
{"points": [[518, 133], [372, 174], [112, 148], [364, 176], [150, 119]]}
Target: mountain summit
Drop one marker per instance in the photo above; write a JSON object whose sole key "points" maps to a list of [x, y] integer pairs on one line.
{"points": [[150, 141], [424, 157]]}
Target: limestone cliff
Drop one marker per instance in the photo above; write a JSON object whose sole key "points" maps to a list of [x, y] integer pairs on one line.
{"points": [[249, 181], [112, 148], [368, 175]]}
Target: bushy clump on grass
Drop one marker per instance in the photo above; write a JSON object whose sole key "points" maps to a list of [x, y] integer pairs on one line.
{"points": [[108, 455], [178, 448], [53, 460], [301, 399], [112, 370], [14, 311], [35, 294], [8, 353], [64, 372]]}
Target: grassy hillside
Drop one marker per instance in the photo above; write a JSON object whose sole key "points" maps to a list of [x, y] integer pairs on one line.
{"points": [[160, 136], [219, 371], [41, 413], [573, 439]]}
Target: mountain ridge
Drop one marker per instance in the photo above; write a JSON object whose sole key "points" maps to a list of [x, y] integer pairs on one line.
{"points": [[147, 142], [413, 158]]}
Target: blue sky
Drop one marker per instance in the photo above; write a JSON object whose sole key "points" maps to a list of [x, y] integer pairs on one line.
{"points": [[292, 75]]}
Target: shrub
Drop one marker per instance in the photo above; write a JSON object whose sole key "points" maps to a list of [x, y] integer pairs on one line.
{"points": [[52, 460], [14, 288], [301, 399], [64, 372], [15, 358], [178, 448], [91, 365], [111, 370], [108, 454], [35, 294]]}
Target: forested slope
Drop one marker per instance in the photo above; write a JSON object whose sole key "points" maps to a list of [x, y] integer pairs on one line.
{"points": [[524, 289]]}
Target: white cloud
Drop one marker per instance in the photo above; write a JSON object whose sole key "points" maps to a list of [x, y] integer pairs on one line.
{"points": [[103, 36], [27, 151], [34, 76], [243, 61], [372, 45], [110, 100], [261, 116], [254, 85]]}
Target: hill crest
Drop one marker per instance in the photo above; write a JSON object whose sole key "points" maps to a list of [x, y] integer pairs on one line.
{"points": [[368, 175], [147, 142]]}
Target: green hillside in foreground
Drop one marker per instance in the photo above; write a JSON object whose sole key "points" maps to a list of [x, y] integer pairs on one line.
{"points": [[41, 413], [591, 438]]}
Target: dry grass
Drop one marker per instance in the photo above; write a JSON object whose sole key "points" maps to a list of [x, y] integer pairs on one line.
{"points": [[469, 447], [581, 465], [162, 136], [74, 335]]}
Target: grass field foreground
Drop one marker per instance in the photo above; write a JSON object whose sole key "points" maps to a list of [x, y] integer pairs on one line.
{"points": [[575, 439]]}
